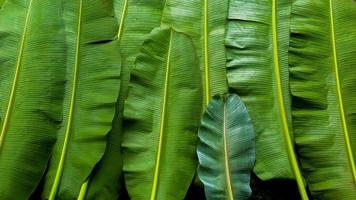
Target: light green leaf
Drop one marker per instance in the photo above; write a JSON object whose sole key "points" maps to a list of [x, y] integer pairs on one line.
{"points": [[323, 83], [226, 150], [257, 52], [204, 21], [162, 114], [136, 19], [93, 70], [31, 92]]}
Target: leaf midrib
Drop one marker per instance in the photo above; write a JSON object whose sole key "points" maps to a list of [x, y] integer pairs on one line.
{"points": [[162, 124], [339, 94], [59, 172], [282, 112], [122, 20], [15, 79], [206, 54], [226, 157], [84, 187]]}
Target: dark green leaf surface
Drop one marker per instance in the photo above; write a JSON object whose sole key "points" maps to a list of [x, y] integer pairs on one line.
{"points": [[162, 114], [257, 70], [31, 92], [136, 20], [93, 70], [323, 84], [226, 150]]}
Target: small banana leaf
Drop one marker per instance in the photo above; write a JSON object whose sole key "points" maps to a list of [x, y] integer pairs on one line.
{"points": [[226, 150]]}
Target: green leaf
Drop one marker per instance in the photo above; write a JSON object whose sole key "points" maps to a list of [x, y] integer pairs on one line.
{"points": [[257, 52], [226, 150], [323, 84], [136, 20], [162, 114], [93, 70], [204, 21], [2, 3], [31, 92]]}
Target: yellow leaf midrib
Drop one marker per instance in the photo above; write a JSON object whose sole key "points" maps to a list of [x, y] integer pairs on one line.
{"points": [[162, 124], [15, 79], [206, 54], [226, 157], [59, 171], [122, 20], [284, 121], [339, 94], [84, 187]]}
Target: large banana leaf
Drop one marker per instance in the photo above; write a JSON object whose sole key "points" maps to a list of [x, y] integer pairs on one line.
{"points": [[226, 150], [257, 51], [31, 92], [136, 20], [162, 115], [323, 84], [93, 69], [204, 21]]}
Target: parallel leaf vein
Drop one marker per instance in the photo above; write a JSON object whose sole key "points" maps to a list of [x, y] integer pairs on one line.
{"points": [[15, 79], [162, 124], [71, 110], [290, 148], [226, 157], [339, 94]]}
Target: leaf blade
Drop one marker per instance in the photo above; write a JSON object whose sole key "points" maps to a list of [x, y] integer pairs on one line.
{"points": [[140, 145], [34, 96], [226, 149]]}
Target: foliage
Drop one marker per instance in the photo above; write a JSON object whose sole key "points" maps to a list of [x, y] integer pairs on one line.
{"points": [[103, 99]]}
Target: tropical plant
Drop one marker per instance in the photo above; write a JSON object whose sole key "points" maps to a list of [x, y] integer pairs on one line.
{"points": [[103, 99], [257, 70], [31, 92], [323, 83], [226, 147]]}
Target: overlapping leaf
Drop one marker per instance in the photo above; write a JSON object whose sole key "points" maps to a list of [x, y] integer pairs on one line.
{"points": [[162, 114], [323, 84], [92, 78], [31, 92], [257, 70], [136, 19], [204, 21], [226, 149]]}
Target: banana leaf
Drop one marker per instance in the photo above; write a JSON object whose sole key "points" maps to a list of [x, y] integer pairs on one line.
{"points": [[92, 85], [136, 19], [226, 150], [31, 92], [204, 21], [257, 70], [162, 113], [323, 84]]}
